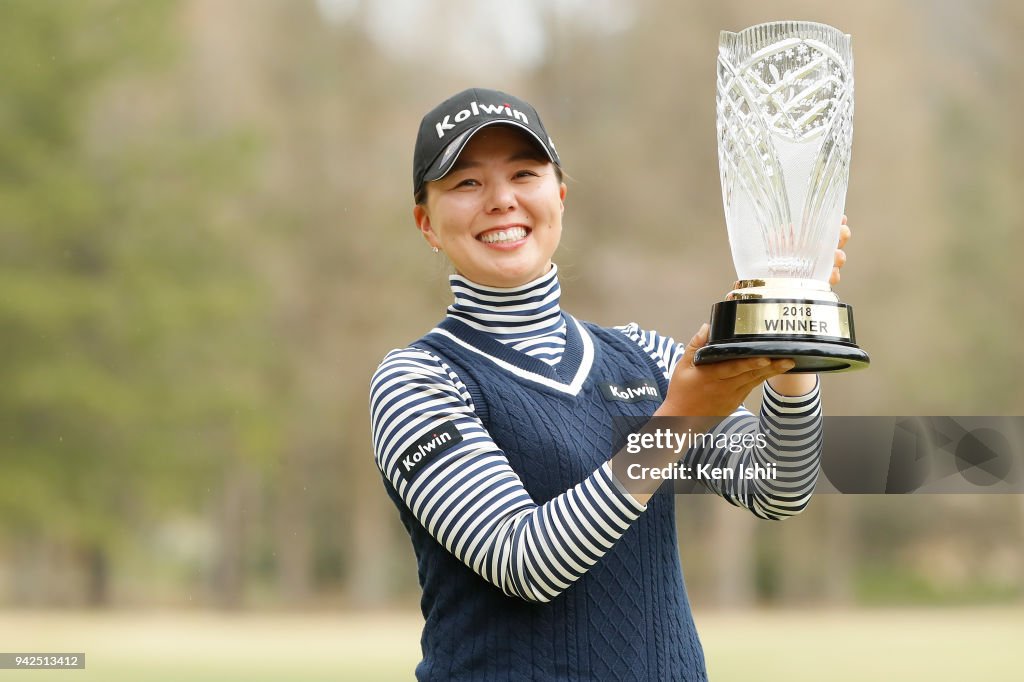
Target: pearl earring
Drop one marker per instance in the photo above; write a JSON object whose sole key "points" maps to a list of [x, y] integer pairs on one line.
{"points": [[435, 249]]}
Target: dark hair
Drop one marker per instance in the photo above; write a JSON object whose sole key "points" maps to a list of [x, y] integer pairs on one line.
{"points": [[421, 196]]}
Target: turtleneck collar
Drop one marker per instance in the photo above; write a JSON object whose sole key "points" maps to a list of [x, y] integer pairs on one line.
{"points": [[527, 311]]}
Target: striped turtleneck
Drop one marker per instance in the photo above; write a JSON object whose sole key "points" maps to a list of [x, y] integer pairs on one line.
{"points": [[528, 317], [415, 395], [436, 436]]}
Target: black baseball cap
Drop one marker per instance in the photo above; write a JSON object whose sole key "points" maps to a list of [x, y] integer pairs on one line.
{"points": [[448, 127]]}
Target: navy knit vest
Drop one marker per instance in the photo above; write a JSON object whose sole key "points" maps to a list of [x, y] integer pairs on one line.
{"points": [[628, 617]]}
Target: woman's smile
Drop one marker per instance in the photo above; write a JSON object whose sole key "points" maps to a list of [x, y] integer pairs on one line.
{"points": [[505, 238]]}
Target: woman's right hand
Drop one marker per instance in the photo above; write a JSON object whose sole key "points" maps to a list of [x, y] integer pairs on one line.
{"points": [[714, 390]]}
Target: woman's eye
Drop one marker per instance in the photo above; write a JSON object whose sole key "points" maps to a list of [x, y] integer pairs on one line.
{"points": [[468, 182], [526, 174]]}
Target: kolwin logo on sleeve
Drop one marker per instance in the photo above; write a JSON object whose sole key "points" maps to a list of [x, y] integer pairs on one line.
{"points": [[631, 391], [430, 444]]}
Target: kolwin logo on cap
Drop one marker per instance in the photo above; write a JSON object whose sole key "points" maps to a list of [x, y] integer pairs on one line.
{"points": [[631, 391], [477, 109], [429, 445]]}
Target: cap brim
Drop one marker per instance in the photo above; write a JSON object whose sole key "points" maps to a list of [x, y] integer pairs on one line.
{"points": [[450, 154]]}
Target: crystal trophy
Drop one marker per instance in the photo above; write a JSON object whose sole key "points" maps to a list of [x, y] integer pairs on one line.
{"points": [[785, 130]]}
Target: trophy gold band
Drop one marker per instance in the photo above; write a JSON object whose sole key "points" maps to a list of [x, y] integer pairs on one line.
{"points": [[784, 318], [785, 132]]}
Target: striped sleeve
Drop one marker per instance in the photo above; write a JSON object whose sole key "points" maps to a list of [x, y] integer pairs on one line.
{"points": [[467, 496], [662, 349], [792, 436]]}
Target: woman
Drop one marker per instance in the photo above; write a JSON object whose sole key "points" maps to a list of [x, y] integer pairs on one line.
{"points": [[494, 432]]}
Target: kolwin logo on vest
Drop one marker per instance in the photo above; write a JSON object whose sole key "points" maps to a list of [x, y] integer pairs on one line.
{"points": [[429, 445], [476, 109], [631, 391]]}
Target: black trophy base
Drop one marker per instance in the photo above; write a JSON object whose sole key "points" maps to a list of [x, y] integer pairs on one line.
{"points": [[809, 356], [816, 334]]}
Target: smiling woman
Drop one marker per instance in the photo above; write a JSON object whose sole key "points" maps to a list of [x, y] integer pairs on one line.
{"points": [[538, 556], [497, 213], [488, 187]]}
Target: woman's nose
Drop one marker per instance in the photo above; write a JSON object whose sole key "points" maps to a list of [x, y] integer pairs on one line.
{"points": [[501, 197]]}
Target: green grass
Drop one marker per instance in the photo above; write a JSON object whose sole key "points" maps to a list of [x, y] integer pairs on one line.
{"points": [[795, 645], [874, 644]]}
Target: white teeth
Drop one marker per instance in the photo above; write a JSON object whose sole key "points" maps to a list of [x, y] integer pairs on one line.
{"points": [[512, 234]]}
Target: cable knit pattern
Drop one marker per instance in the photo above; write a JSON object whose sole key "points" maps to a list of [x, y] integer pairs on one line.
{"points": [[534, 562], [627, 617]]}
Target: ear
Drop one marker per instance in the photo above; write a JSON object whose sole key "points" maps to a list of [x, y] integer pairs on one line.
{"points": [[422, 218], [561, 194]]}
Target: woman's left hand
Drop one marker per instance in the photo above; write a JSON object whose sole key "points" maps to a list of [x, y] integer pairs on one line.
{"points": [[840, 257]]}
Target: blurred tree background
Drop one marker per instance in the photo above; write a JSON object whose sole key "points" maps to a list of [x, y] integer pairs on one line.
{"points": [[207, 246]]}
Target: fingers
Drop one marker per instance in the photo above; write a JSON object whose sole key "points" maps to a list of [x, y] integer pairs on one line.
{"points": [[749, 369], [844, 233], [699, 340], [718, 388], [743, 383], [777, 366], [734, 368], [839, 259], [755, 379]]}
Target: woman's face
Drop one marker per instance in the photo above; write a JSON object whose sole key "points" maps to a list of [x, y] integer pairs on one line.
{"points": [[497, 215]]}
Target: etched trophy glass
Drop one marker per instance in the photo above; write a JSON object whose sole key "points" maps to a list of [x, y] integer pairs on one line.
{"points": [[785, 131]]}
